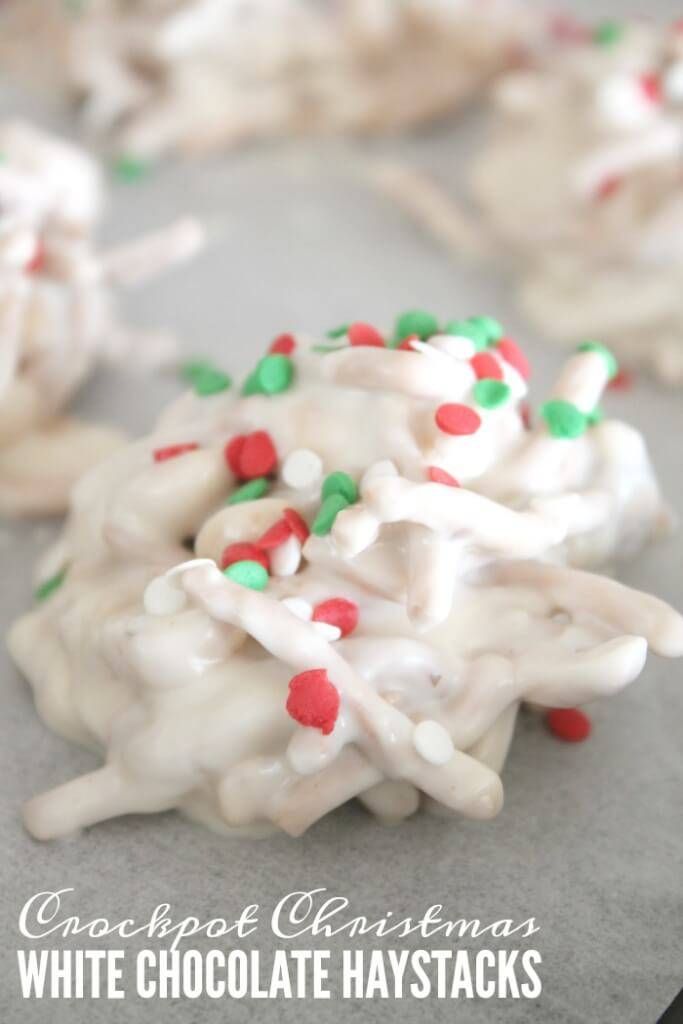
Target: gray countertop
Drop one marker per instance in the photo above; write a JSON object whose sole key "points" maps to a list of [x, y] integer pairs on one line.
{"points": [[590, 840]]}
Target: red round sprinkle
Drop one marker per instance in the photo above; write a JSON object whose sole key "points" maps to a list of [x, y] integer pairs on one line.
{"points": [[337, 612], [278, 533], [623, 381], [457, 419], [233, 451], [608, 187], [257, 455], [283, 345], [365, 334], [37, 261], [406, 343], [512, 354], [173, 450], [652, 87], [486, 366], [313, 700], [243, 552], [569, 724], [440, 476], [297, 525]]}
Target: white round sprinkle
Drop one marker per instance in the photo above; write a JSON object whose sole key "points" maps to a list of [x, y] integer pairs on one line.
{"points": [[455, 345], [302, 468], [163, 597], [328, 631], [297, 606], [286, 557], [432, 742], [622, 103]]}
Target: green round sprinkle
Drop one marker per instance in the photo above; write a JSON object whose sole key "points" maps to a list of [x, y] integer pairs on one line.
{"points": [[607, 33], [493, 328], [416, 321], [595, 417], [564, 419], [607, 355], [130, 169], [248, 574], [205, 378], [476, 332], [338, 332], [48, 586], [250, 491], [329, 510], [491, 393], [274, 373], [340, 483], [252, 385]]}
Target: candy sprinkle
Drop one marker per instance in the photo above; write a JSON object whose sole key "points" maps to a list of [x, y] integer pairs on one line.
{"points": [[328, 512], [248, 573], [251, 455], [457, 419], [283, 345], [476, 332], [130, 169], [440, 476], [302, 468], [244, 552], [340, 483], [172, 451], [624, 381], [252, 385], [313, 700], [568, 724], [493, 330], [365, 334], [607, 33], [338, 332], [416, 321], [513, 355], [48, 586], [297, 524], [337, 612], [249, 492], [486, 366], [205, 378], [563, 419], [276, 535], [607, 355], [274, 374], [491, 394]]}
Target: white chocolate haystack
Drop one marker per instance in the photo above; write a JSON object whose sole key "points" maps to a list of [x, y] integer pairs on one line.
{"points": [[384, 655], [577, 189], [56, 312], [195, 75]]}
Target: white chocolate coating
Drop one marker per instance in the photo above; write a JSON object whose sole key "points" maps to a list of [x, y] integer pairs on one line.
{"points": [[195, 75], [56, 312], [467, 600]]}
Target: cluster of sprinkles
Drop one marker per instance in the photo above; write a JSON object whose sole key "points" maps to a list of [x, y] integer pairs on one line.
{"points": [[313, 700]]}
